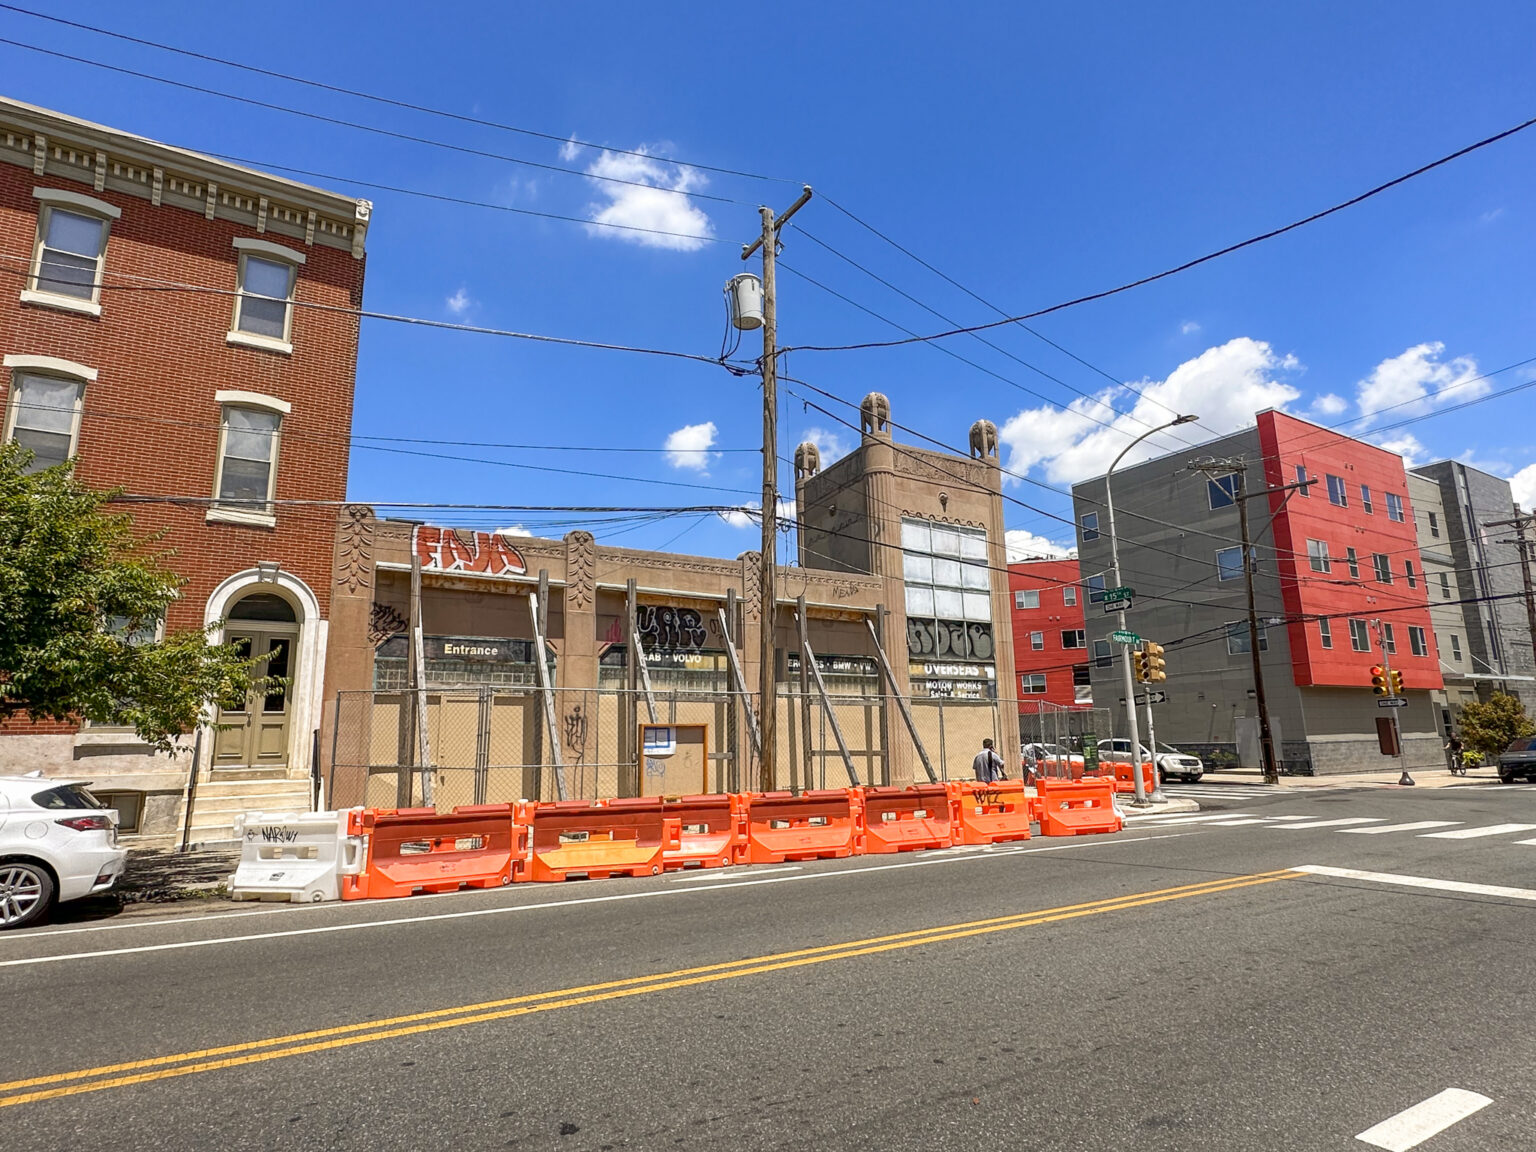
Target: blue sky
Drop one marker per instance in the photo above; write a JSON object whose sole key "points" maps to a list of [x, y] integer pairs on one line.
{"points": [[1033, 153]]}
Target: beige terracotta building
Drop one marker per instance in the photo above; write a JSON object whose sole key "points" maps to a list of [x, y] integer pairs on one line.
{"points": [[898, 607]]}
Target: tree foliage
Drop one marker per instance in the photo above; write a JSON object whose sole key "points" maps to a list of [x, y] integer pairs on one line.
{"points": [[81, 601], [1488, 727]]}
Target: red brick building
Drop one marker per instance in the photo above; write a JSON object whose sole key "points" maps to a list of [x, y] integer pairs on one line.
{"points": [[164, 320], [1050, 644]]}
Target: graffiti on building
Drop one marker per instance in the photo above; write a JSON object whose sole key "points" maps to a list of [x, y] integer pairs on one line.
{"points": [[938, 638], [662, 626], [487, 553]]}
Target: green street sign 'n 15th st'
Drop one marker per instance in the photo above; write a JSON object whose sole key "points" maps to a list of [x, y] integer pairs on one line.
{"points": [[1121, 636], [1115, 595]]}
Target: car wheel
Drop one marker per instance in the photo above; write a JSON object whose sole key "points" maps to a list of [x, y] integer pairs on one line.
{"points": [[1506, 777], [26, 893], [1192, 777]]}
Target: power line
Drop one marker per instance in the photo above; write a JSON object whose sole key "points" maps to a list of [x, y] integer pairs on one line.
{"points": [[1188, 264], [338, 122], [390, 101]]}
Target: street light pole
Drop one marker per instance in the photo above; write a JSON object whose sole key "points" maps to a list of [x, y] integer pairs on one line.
{"points": [[1125, 649]]}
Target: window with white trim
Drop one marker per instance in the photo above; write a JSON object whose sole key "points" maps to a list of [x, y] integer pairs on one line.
{"points": [[1102, 655], [263, 315], [1037, 641], [1365, 500], [1317, 556], [1338, 493], [1074, 638], [1383, 565], [1408, 574], [1090, 526], [1359, 636], [1032, 684], [1302, 479], [1069, 595], [1416, 641], [1229, 563], [247, 469], [1237, 638], [1026, 598], [1388, 639], [1395, 507], [1352, 558], [71, 244], [1455, 647], [44, 417], [1325, 631], [1445, 586], [1222, 491], [1434, 525]]}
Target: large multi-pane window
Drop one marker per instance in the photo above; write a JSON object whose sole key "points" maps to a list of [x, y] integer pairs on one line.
{"points": [[1359, 636], [1394, 507], [1317, 556], [1338, 492], [1416, 641], [949, 600]]}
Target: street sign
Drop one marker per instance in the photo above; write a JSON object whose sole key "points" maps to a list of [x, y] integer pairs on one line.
{"points": [[1122, 636], [1157, 698], [1392, 702], [1110, 608], [1111, 595]]}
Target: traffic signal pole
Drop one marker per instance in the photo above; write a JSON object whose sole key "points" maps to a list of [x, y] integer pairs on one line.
{"points": [[1393, 680]]}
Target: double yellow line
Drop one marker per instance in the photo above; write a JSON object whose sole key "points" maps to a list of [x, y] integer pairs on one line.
{"points": [[152, 1068]]}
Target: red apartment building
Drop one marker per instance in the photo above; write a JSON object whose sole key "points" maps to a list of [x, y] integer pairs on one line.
{"points": [[1339, 587], [1050, 646], [158, 323]]}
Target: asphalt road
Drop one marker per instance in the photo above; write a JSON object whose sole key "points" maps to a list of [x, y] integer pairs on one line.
{"points": [[1176, 986]]}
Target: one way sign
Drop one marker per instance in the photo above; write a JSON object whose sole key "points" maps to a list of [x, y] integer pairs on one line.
{"points": [[1157, 698]]}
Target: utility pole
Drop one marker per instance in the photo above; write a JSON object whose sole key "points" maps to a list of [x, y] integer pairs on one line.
{"points": [[1522, 523], [1392, 694], [767, 685]]}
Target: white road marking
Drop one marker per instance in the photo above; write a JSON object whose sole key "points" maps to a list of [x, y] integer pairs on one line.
{"points": [[1474, 833], [725, 873], [1335, 823], [1412, 1126], [1413, 827], [1169, 821], [1238, 823], [931, 861], [1419, 882], [1290, 817]]}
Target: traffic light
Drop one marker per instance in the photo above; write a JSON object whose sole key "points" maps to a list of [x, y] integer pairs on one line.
{"points": [[1397, 682], [1379, 680], [1153, 656], [1139, 666]]}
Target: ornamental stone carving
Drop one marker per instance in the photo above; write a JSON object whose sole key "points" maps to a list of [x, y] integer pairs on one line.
{"points": [[354, 548], [580, 570], [875, 414], [984, 440], [752, 584], [807, 460]]}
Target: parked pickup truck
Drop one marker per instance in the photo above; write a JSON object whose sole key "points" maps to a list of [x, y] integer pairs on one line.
{"points": [[1519, 759]]}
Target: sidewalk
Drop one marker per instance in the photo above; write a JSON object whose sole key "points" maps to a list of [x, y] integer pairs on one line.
{"points": [[154, 878], [1434, 777]]}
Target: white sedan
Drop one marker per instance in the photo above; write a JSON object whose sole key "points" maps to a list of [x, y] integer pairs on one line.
{"points": [[57, 842]]}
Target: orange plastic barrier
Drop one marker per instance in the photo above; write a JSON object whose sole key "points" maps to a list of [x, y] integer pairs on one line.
{"points": [[1124, 780], [821, 824], [906, 819], [594, 839], [703, 831], [989, 813], [414, 850], [1080, 809]]}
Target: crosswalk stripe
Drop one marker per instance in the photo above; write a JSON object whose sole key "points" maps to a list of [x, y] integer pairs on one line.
{"points": [[1237, 823], [1339, 823], [1165, 821], [1473, 833], [1413, 827]]}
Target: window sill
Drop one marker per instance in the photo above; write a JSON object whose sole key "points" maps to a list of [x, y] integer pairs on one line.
{"points": [[110, 737], [62, 303], [217, 515], [265, 343]]}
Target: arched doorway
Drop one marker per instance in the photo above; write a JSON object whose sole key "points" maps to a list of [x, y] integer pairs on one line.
{"points": [[253, 730]]}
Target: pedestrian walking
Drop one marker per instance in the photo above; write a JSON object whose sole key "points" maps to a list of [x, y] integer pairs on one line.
{"points": [[988, 765], [1453, 746]]}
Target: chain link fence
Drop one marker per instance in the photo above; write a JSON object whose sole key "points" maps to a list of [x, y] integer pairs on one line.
{"points": [[491, 744]]}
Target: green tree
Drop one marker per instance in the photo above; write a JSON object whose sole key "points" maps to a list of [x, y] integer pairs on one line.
{"points": [[1488, 727], [81, 601]]}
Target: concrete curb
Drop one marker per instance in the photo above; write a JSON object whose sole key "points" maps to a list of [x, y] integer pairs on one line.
{"points": [[1166, 808]]}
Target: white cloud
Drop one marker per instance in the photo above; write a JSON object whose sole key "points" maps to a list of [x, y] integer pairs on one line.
{"points": [[1023, 545], [1189, 328], [1490, 216], [569, 150], [832, 445], [1329, 404], [459, 303], [750, 514], [1406, 445], [1523, 484], [1224, 386], [514, 530], [1415, 381], [646, 203], [689, 446]]}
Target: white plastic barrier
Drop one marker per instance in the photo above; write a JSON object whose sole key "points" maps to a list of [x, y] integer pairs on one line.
{"points": [[294, 856]]}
